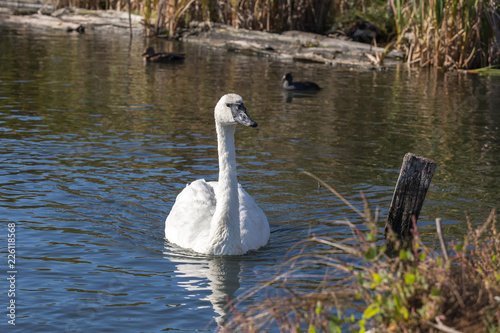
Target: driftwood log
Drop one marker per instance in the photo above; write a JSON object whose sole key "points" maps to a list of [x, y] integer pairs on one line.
{"points": [[408, 198]]}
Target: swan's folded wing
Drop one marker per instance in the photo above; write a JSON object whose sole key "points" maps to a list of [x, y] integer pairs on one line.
{"points": [[188, 224], [254, 230]]}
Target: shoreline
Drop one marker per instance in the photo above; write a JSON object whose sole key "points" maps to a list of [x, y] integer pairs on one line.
{"points": [[288, 45]]}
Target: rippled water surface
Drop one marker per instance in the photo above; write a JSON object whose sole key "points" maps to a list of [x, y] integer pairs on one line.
{"points": [[96, 146]]}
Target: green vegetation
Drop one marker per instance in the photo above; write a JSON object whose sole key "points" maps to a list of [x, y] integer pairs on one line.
{"points": [[421, 290], [490, 70]]}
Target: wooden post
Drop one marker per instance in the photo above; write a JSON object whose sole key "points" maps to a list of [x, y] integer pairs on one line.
{"points": [[408, 198]]}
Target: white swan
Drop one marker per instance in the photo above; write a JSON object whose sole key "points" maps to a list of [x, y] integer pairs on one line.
{"points": [[219, 218]]}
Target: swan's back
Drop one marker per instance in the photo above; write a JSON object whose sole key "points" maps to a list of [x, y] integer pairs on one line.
{"points": [[188, 224], [253, 222]]}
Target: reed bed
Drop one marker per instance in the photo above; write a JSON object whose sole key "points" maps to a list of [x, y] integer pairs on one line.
{"points": [[362, 289], [449, 34], [164, 16]]}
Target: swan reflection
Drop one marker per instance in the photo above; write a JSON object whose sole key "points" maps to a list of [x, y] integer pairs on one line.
{"points": [[222, 275]]}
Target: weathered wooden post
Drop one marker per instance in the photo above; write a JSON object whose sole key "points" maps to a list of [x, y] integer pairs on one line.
{"points": [[408, 198]]}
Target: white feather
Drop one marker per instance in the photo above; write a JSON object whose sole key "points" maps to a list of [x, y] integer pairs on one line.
{"points": [[218, 218]]}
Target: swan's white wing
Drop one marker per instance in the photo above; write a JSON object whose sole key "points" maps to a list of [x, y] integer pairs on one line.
{"points": [[254, 230], [188, 224]]}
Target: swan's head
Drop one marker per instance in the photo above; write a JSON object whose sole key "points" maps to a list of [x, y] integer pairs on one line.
{"points": [[230, 110]]}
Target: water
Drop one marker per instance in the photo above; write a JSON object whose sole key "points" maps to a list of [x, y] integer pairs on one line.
{"points": [[96, 146]]}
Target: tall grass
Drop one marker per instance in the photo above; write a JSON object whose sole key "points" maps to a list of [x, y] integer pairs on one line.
{"points": [[164, 16], [360, 288], [450, 34]]}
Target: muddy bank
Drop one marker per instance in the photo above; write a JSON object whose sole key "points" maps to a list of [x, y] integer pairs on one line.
{"points": [[69, 19], [289, 45]]}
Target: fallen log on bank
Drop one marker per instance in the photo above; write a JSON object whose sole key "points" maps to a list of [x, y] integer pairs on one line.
{"points": [[289, 45]]}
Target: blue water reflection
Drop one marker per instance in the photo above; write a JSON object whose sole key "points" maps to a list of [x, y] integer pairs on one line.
{"points": [[96, 149]]}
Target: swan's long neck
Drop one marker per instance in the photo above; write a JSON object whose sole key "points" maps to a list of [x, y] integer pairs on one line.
{"points": [[225, 224]]}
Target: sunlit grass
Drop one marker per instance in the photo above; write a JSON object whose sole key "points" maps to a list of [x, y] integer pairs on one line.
{"points": [[449, 34], [490, 70]]}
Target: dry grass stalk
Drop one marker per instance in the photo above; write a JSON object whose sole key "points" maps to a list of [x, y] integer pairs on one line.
{"points": [[419, 291], [449, 34]]}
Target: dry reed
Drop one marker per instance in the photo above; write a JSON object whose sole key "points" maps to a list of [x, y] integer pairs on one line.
{"points": [[449, 34], [358, 287]]}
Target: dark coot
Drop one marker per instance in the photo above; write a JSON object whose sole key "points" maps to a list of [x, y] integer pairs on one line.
{"points": [[288, 84], [151, 56]]}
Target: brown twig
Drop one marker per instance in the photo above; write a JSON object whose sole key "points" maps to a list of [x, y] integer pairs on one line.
{"points": [[441, 240]]}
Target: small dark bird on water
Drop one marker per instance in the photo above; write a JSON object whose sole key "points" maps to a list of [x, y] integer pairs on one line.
{"points": [[80, 29], [151, 56], [288, 84]]}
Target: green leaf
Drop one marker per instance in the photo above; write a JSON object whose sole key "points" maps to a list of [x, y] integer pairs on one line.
{"points": [[370, 253], [435, 292], [410, 279], [402, 255], [404, 312], [311, 329], [319, 308], [409, 255], [397, 301], [334, 325], [459, 247], [371, 310], [376, 277], [362, 326]]}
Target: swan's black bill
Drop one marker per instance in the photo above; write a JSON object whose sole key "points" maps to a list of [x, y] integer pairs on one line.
{"points": [[240, 115]]}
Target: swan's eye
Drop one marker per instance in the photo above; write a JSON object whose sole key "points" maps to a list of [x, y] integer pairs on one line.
{"points": [[228, 105]]}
